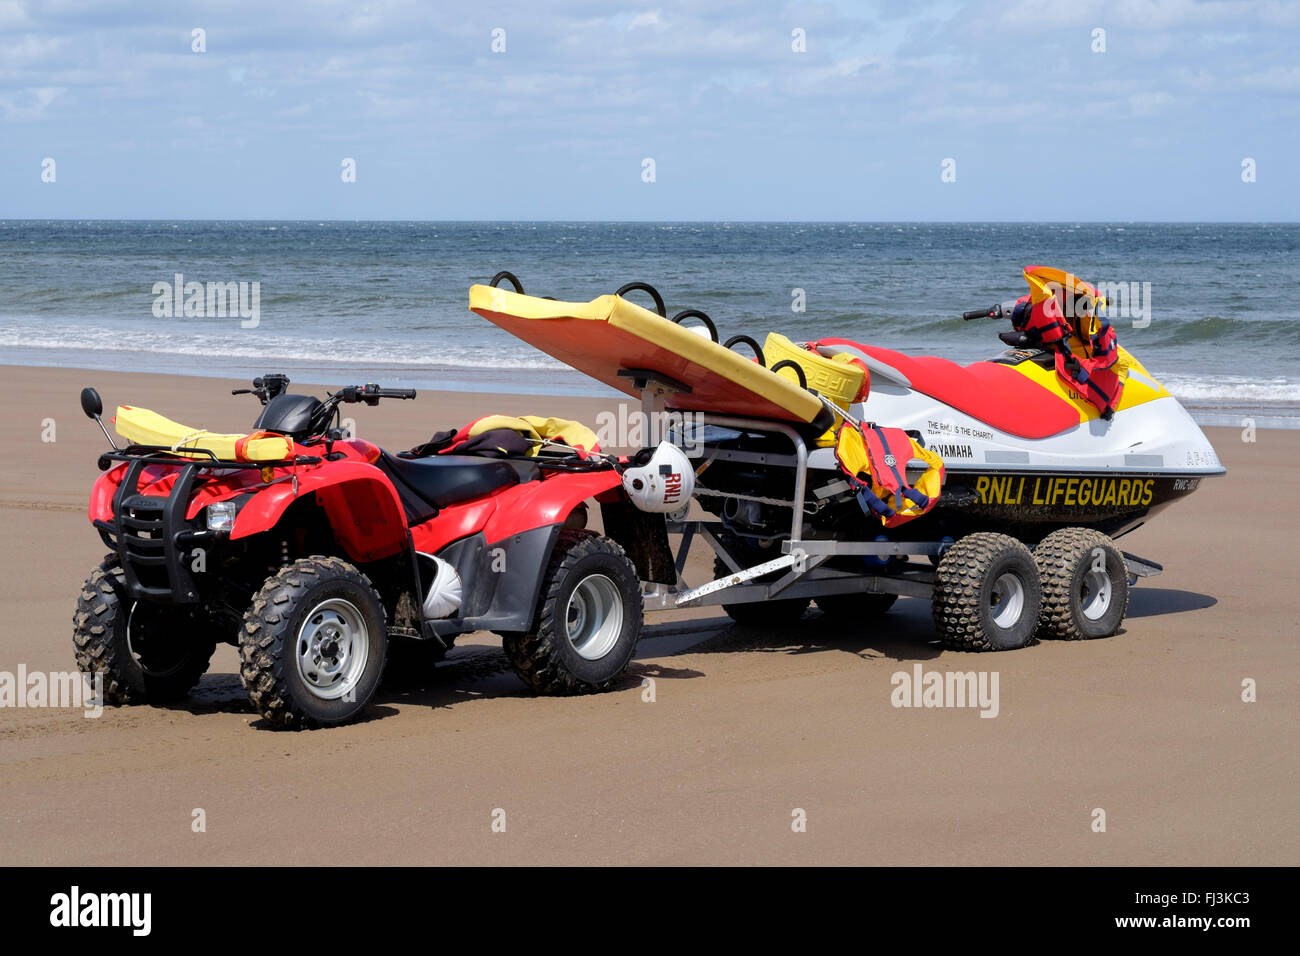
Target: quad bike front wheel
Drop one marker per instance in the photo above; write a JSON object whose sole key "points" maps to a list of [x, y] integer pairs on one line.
{"points": [[313, 644], [147, 653], [986, 594], [1085, 585], [588, 621]]}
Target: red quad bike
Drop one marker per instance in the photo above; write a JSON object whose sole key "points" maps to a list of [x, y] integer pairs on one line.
{"points": [[319, 565]]}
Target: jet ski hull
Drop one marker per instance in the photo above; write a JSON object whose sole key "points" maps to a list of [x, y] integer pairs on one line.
{"points": [[1107, 475], [1039, 502]]}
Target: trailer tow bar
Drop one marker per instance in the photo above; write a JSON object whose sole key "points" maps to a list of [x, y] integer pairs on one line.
{"points": [[795, 559], [1140, 567]]}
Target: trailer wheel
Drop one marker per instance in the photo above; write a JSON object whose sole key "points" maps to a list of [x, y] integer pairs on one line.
{"points": [[588, 622], [147, 653], [986, 594], [761, 613], [860, 606], [1085, 585], [313, 644]]}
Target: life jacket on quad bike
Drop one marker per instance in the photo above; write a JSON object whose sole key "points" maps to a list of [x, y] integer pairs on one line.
{"points": [[497, 436], [1042, 314], [875, 462]]}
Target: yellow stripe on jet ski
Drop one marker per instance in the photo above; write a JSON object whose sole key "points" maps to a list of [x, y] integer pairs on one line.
{"points": [[1139, 386], [141, 426]]}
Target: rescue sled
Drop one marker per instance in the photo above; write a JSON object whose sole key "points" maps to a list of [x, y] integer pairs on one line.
{"points": [[611, 339]]}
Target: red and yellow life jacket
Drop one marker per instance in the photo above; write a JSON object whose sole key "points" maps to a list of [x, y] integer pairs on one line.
{"points": [[1043, 313], [875, 461]]}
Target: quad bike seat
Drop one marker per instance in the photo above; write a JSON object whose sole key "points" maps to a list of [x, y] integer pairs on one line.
{"points": [[445, 480]]}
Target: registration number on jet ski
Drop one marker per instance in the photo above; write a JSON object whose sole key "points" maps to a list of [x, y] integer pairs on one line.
{"points": [[1076, 492]]}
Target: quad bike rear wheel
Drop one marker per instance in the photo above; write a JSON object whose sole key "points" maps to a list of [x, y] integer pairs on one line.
{"points": [[588, 621], [1085, 585], [313, 644], [986, 594], [147, 653]]}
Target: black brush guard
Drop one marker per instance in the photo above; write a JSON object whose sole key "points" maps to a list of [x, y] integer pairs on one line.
{"points": [[151, 534]]}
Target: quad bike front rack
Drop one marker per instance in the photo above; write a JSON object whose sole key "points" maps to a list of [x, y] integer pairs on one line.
{"points": [[150, 534]]}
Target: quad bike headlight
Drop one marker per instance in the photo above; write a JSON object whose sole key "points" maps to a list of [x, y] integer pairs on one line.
{"points": [[221, 515]]}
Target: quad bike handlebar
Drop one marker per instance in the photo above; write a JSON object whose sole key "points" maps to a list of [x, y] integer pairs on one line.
{"points": [[267, 387], [350, 395], [371, 394], [304, 417]]}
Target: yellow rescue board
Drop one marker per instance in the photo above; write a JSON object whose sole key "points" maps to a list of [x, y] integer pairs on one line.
{"points": [[140, 426], [609, 334]]}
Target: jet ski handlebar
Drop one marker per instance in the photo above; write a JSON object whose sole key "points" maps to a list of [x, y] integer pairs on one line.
{"points": [[1000, 310]]}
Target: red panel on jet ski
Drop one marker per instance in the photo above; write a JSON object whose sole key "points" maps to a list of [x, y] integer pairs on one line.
{"points": [[997, 395]]}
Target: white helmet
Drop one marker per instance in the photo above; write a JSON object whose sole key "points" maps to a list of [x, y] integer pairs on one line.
{"points": [[445, 587], [664, 484]]}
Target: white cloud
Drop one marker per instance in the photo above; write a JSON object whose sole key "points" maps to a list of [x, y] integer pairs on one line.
{"points": [[1148, 103], [29, 105], [650, 19]]}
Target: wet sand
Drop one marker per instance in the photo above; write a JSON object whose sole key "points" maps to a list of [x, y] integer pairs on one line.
{"points": [[746, 726]]}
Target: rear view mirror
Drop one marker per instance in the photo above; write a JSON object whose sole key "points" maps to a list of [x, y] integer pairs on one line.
{"points": [[91, 403], [93, 406]]}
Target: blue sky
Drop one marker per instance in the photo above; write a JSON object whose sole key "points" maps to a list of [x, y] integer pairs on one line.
{"points": [[739, 125]]}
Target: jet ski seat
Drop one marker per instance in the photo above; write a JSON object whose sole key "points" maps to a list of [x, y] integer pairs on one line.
{"points": [[995, 394]]}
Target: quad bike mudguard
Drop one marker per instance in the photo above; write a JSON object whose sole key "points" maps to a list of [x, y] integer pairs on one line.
{"points": [[148, 512], [501, 545], [364, 511]]}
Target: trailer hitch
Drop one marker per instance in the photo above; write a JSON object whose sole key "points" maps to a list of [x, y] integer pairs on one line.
{"points": [[796, 559]]}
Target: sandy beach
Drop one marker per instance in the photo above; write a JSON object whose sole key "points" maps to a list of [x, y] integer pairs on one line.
{"points": [[746, 726]]}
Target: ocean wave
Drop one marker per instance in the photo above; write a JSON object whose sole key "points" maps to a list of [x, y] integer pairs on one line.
{"points": [[494, 362], [1229, 388], [1216, 328], [219, 348]]}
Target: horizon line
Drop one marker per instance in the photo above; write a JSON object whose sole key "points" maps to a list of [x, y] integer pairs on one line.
{"points": [[775, 222]]}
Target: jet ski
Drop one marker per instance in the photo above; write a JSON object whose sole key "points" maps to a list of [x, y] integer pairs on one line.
{"points": [[1020, 447], [1024, 442]]}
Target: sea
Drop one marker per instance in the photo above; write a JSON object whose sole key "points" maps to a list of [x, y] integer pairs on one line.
{"points": [[1213, 310]]}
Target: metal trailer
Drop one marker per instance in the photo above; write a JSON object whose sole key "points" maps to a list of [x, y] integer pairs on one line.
{"points": [[804, 560]]}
